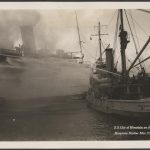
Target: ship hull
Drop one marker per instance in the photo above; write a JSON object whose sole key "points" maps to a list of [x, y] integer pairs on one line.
{"points": [[130, 108]]}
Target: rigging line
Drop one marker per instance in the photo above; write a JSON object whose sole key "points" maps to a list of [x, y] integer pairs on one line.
{"points": [[103, 45], [97, 49], [133, 20], [134, 29], [127, 59], [96, 52], [117, 61], [142, 61], [144, 10], [118, 57], [131, 32], [88, 53], [136, 37], [114, 54], [131, 63], [116, 64], [133, 72], [62, 20], [113, 73], [80, 42], [116, 32], [115, 39], [135, 33], [109, 23], [140, 26], [132, 36]]}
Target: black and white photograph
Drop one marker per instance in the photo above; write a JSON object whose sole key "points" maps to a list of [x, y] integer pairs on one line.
{"points": [[74, 72]]}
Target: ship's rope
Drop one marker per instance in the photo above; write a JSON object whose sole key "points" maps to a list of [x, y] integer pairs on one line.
{"points": [[142, 29], [115, 39], [134, 29], [144, 10], [132, 37], [113, 16], [89, 54], [136, 35], [141, 39], [142, 61], [102, 51], [115, 42], [103, 45], [109, 72], [116, 33], [97, 49], [128, 61], [131, 63]]}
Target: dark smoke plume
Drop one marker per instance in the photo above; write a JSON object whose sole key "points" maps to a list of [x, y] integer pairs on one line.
{"points": [[10, 22]]}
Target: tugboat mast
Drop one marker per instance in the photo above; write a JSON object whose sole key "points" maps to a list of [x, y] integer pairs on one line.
{"points": [[100, 41], [123, 43], [100, 46]]}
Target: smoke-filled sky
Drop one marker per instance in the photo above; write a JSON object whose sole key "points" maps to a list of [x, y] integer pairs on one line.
{"points": [[56, 29]]}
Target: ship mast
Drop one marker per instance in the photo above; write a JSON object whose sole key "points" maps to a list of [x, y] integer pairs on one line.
{"points": [[100, 40], [123, 42], [123, 55], [100, 45], [80, 42]]}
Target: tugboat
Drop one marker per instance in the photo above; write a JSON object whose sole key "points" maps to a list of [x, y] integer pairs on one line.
{"points": [[114, 92]]}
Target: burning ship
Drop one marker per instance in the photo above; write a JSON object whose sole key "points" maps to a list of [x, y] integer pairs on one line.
{"points": [[114, 92], [13, 57]]}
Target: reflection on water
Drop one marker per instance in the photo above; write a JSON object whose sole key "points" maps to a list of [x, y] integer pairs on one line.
{"points": [[62, 118]]}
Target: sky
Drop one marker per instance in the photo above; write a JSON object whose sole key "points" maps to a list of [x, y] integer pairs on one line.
{"points": [[56, 29]]}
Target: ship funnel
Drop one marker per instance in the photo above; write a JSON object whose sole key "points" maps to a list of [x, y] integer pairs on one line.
{"points": [[109, 59], [27, 34]]}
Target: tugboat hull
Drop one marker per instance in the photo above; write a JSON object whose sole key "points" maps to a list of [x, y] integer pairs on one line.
{"points": [[130, 108]]}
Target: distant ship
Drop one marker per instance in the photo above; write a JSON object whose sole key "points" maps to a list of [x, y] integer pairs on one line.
{"points": [[114, 92], [78, 55]]}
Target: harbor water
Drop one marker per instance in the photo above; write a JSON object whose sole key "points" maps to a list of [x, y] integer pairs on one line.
{"points": [[45, 101], [66, 118]]}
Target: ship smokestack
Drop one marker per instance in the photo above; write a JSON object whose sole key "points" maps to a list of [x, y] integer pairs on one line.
{"points": [[28, 39], [109, 59]]}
